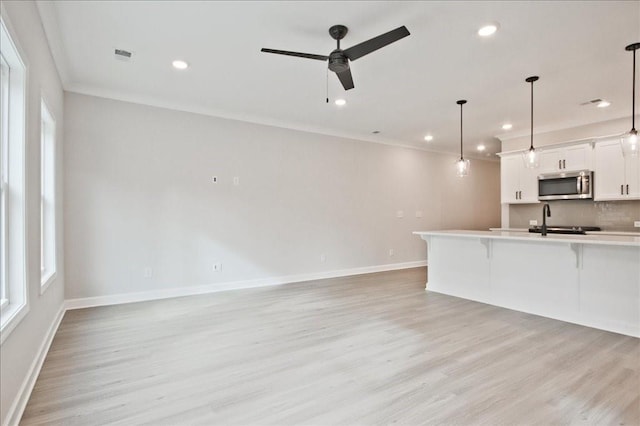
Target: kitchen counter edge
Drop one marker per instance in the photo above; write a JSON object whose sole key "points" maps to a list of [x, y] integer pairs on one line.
{"points": [[597, 238]]}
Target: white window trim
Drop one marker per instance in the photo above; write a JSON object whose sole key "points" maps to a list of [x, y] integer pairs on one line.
{"points": [[4, 151], [18, 305], [48, 255]]}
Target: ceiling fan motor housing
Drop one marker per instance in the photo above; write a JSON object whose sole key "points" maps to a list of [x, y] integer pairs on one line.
{"points": [[338, 62], [338, 32]]}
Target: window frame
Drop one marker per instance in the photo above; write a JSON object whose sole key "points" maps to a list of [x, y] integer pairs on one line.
{"points": [[4, 184], [48, 265], [17, 305]]}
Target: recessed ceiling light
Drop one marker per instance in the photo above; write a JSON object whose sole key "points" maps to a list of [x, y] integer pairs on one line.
{"points": [[507, 126], [488, 30], [180, 65], [428, 138], [481, 148], [603, 104], [340, 102]]}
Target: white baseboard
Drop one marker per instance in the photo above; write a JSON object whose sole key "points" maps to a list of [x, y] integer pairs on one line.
{"points": [[20, 402], [117, 299]]}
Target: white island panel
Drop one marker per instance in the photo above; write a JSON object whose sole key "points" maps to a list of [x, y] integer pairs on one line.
{"points": [[538, 278], [470, 277], [610, 293]]}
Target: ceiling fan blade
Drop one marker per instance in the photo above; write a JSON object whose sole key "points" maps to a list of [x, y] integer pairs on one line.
{"points": [[366, 47], [346, 79], [298, 54]]}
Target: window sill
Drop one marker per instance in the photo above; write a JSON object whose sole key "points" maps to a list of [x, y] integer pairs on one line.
{"points": [[10, 318]]}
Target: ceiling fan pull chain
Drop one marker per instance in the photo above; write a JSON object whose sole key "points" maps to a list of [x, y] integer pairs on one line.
{"points": [[327, 85]]}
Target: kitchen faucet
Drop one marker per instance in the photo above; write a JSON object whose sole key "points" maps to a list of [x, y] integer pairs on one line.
{"points": [[545, 209]]}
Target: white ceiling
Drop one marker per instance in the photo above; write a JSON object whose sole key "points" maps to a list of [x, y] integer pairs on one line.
{"points": [[405, 90]]}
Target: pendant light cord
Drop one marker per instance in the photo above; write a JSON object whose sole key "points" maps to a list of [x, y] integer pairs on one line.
{"points": [[633, 94], [461, 102], [461, 157], [531, 80], [531, 147]]}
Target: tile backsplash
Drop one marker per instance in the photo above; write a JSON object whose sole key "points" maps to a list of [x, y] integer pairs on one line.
{"points": [[608, 215]]}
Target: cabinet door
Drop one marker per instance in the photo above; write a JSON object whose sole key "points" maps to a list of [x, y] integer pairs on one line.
{"points": [[632, 175], [609, 176], [519, 185], [509, 178], [550, 161], [576, 158], [529, 185]]}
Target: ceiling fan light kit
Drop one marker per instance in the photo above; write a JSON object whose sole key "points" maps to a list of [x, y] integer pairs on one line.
{"points": [[629, 142], [339, 59]]}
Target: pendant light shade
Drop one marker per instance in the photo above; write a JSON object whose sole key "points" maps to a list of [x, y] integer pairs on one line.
{"points": [[531, 157], [630, 143], [462, 165]]}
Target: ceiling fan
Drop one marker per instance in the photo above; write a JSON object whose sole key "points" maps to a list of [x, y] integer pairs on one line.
{"points": [[339, 59]]}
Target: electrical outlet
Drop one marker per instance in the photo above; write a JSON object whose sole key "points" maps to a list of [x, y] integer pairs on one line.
{"points": [[217, 267], [533, 222], [214, 179], [391, 253], [323, 258], [236, 180], [418, 213], [148, 272], [636, 224], [399, 213]]}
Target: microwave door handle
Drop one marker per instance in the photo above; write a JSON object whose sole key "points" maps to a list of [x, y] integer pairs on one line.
{"points": [[579, 185]]}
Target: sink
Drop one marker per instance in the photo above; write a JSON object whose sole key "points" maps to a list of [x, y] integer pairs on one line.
{"points": [[576, 230]]}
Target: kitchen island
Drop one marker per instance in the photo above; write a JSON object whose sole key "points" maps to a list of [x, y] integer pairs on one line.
{"points": [[592, 280]]}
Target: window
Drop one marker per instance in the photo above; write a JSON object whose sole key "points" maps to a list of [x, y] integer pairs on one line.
{"points": [[4, 184], [47, 197], [13, 284]]}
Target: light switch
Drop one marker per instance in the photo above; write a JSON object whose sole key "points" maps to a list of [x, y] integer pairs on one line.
{"points": [[399, 213]]}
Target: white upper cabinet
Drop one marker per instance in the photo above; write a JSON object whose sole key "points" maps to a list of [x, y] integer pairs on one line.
{"points": [[566, 159], [519, 185], [615, 178]]}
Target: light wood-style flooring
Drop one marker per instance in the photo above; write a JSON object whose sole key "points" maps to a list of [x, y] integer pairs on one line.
{"points": [[372, 349]]}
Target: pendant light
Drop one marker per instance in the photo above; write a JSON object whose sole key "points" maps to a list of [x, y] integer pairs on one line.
{"points": [[629, 141], [531, 157], [462, 165]]}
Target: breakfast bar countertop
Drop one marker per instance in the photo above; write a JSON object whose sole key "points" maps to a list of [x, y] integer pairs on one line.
{"points": [[590, 238]]}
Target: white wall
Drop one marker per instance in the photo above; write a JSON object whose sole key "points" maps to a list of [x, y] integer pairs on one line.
{"points": [[19, 351], [139, 194]]}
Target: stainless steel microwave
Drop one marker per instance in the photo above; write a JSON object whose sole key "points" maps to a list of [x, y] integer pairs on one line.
{"points": [[566, 186]]}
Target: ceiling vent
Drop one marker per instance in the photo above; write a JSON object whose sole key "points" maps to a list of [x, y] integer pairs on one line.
{"points": [[122, 55]]}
